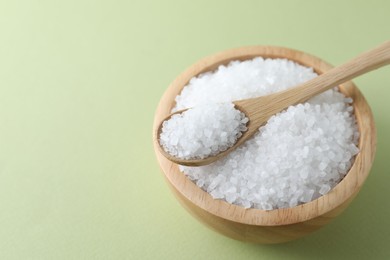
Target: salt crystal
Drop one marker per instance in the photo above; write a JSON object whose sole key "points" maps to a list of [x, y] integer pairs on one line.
{"points": [[200, 182], [216, 194], [322, 166], [324, 189], [305, 152], [354, 150], [266, 206], [304, 174], [246, 204], [231, 197], [307, 196]]}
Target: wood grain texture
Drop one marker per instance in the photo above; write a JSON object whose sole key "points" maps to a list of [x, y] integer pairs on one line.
{"points": [[280, 225]]}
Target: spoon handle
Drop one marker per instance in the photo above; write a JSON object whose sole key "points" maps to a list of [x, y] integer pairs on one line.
{"points": [[370, 60]]}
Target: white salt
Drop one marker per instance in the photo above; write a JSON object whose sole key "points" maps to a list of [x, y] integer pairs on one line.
{"points": [[203, 131], [325, 188], [299, 155]]}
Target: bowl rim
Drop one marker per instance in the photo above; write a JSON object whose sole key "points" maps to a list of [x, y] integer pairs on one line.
{"points": [[344, 191]]}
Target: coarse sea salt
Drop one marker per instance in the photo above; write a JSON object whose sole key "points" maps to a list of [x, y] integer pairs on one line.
{"points": [[202, 131], [299, 155]]}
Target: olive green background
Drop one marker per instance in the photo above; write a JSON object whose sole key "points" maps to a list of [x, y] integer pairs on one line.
{"points": [[79, 84]]}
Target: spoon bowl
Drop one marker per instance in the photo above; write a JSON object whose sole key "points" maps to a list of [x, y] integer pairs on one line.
{"points": [[199, 162], [278, 225]]}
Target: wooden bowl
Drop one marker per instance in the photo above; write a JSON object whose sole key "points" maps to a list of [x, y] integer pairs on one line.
{"points": [[279, 225]]}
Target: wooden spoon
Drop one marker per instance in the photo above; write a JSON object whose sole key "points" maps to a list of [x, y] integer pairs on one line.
{"points": [[260, 109]]}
